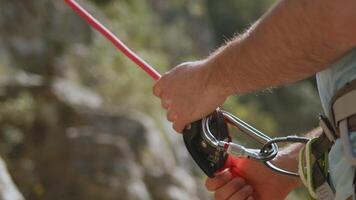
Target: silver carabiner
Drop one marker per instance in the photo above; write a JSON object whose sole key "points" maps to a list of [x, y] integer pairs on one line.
{"points": [[269, 148], [236, 149]]}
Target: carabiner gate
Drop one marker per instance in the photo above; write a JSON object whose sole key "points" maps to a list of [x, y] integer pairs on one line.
{"points": [[236, 149]]}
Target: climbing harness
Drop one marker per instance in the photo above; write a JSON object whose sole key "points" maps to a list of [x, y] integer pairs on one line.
{"points": [[313, 163], [313, 158], [211, 146]]}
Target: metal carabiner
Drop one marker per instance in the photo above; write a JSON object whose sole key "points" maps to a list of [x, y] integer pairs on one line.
{"points": [[268, 153], [288, 139], [209, 143]]}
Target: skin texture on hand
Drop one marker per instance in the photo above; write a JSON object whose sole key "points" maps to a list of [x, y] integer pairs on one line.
{"points": [[189, 93], [255, 181], [225, 187]]}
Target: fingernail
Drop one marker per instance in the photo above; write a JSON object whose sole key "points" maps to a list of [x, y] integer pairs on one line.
{"points": [[250, 198]]}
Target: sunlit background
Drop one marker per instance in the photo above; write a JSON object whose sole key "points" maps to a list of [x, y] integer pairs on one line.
{"points": [[78, 120]]}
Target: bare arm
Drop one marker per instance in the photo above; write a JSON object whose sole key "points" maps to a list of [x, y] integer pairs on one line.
{"points": [[293, 41]]}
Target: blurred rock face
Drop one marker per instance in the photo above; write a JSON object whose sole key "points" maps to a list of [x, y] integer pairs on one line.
{"points": [[67, 146], [125, 156], [93, 154]]}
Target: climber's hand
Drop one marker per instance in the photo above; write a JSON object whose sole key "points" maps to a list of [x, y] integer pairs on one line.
{"points": [[189, 92], [227, 187], [258, 182]]}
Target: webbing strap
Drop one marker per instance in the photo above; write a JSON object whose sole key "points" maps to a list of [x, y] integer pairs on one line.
{"points": [[343, 104], [313, 163], [313, 169], [328, 129], [344, 107], [321, 145]]}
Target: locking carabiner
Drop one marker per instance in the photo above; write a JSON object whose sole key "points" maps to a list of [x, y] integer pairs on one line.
{"points": [[209, 143], [266, 154]]}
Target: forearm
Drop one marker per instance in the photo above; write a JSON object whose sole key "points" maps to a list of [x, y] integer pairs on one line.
{"points": [[293, 41]]}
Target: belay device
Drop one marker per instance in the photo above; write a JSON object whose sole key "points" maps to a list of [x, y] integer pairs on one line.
{"points": [[207, 140], [208, 156]]}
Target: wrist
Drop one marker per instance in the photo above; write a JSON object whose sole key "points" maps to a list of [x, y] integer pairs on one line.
{"points": [[288, 160], [219, 77]]}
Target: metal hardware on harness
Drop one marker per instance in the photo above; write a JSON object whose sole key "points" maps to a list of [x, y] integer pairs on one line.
{"points": [[236, 149], [265, 154], [288, 139]]}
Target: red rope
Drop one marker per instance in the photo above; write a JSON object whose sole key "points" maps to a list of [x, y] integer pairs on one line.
{"points": [[113, 39]]}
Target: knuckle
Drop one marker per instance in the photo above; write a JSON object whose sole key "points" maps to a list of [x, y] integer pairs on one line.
{"points": [[181, 128], [166, 104], [175, 127], [171, 116], [210, 184], [156, 90]]}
